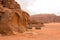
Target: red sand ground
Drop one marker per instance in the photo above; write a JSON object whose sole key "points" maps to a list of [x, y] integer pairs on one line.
{"points": [[50, 31]]}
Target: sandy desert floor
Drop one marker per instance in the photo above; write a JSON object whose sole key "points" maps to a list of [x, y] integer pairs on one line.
{"points": [[50, 31]]}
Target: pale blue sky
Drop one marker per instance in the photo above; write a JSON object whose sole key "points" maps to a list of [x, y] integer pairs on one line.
{"points": [[40, 6]]}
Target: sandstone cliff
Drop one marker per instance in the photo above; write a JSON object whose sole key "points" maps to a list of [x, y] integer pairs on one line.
{"points": [[12, 18]]}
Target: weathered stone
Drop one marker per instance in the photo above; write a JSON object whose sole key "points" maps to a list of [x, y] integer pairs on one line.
{"points": [[26, 18], [10, 4], [12, 18]]}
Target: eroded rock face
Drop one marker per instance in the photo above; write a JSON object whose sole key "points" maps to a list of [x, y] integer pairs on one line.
{"points": [[26, 18], [12, 18], [10, 4]]}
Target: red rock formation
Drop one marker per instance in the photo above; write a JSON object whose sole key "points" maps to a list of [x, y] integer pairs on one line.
{"points": [[10, 4], [12, 18]]}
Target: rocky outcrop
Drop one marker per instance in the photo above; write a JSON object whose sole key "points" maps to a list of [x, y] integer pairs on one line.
{"points": [[10, 4], [12, 18], [26, 18]]}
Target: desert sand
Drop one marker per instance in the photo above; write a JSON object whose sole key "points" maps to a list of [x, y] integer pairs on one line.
{"points": [[50, 31]]}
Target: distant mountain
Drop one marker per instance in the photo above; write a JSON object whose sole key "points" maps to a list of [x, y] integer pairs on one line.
{"points": [[45, 18]]}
